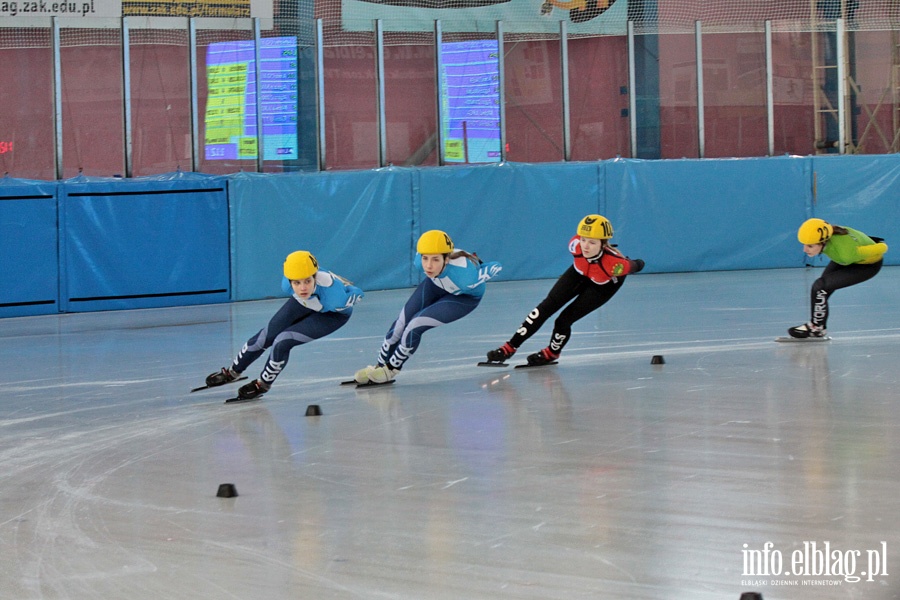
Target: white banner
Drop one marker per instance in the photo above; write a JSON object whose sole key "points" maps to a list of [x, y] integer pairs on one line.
{"points": [[28, 9], [607, 17]]}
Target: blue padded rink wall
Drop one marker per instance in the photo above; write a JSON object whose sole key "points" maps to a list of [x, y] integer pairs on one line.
{"points": [[604, 476]]}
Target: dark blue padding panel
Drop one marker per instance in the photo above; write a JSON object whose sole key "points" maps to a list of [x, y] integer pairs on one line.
{"points": [[143, 243], [709, 215], [357, 224], [522, 215], [862, 192], [28, 248]]}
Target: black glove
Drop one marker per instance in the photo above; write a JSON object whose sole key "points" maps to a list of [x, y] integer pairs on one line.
{"points": [[636, 265]]}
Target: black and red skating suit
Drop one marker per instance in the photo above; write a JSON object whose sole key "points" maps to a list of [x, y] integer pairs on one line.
{"points": [[609, 265], [588, 283]]}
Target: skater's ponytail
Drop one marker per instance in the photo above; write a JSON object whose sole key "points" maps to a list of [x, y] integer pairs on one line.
{"points": [[472, 257], [838, 230]]}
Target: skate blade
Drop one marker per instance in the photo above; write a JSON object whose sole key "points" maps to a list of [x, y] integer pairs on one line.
{"points": [[827, 338], [373, 384], [535, 366], [360, 385], [239, 400], [206, 387], [490, 363]]}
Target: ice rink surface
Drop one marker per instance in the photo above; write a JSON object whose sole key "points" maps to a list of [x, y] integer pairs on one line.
{"points": [[601, 477]]}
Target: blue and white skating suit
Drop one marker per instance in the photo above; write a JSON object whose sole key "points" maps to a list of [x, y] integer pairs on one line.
{"points": [[436, 301], [300, 321]]}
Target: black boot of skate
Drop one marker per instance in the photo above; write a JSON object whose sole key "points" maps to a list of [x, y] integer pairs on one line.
{"points": [[807, 330], [222, 377], [544, 357], [500, 354], [252, 390]]}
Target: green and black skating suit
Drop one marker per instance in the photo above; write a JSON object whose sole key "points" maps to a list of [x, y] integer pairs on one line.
{"points": [[855, 257]]}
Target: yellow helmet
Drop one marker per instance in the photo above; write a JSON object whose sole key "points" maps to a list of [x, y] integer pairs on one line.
{"points": [[595, 226], [814, 231], [300, 265], [434, 242]]}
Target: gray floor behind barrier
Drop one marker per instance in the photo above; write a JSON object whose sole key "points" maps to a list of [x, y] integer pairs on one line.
{"points": [[738, 465]]}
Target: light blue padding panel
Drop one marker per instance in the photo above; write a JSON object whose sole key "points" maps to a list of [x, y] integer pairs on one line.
{"points": [[356, 224], [29, 276], [709, 215], [144, 242], [522, 215], [862, 192]]}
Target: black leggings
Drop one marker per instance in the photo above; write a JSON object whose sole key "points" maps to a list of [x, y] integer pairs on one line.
{"points": [[835, 277], [588, 296]]}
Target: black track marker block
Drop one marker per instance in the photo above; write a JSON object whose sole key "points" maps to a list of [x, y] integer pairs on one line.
{"points": [[226, 490], [751, 596], [657, 360], [313, 410]]}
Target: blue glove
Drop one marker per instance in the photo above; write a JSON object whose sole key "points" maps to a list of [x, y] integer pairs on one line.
{"points": [[356, 295], [489, 270]]}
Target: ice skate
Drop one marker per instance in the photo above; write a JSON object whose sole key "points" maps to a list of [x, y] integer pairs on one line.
{"points": [[382, 374], [226, 375], [222, 377], [361, 377], [540, 359], [372, 376], [807, 330], [805, 333], [251, 391], [497, 358]]}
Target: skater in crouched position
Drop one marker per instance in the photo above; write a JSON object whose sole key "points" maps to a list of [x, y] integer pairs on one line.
{"points": [[598, 272], [452, 288], [855, 257], [321, 303]]}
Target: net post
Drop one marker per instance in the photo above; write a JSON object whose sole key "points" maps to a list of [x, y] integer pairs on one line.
{"points": [[439, 90], [632, 90], [564, 74], [257, 85], [381, 125], [770, 91], [841, 44], [502, 90], [126, 97], [195, 111], [701, 126], [320, 95], [57, 98]]}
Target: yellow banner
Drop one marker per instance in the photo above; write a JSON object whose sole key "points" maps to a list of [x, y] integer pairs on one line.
{"points": [[194, 8]]}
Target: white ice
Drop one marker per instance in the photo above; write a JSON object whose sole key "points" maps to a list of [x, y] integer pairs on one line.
{"points": [[602, 477]]}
